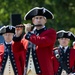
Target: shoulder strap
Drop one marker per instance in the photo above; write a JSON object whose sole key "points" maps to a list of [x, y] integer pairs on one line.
{"points": [[62, 64]]}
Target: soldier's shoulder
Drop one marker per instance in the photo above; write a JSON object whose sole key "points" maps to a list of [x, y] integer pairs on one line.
{"points": [[72, 49], [55, 48], [1, 43], [51, 29]]}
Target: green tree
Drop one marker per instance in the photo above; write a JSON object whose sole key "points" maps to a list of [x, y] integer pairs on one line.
{"points": [[64, 11]]}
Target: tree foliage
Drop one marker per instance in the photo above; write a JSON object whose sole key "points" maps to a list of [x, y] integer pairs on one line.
{"points": [[63, 10]]}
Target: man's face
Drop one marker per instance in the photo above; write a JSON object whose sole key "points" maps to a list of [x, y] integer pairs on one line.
{"points": [[8, 37], [74, 46], [19, 30], [64, 41], [39, 20]]}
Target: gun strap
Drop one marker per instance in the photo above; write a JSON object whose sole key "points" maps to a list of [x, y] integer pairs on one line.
{"points": [[62, 64]]}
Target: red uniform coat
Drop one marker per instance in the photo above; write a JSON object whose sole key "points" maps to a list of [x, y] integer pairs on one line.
{"points": [[3, 57], [19, 53], [44, 45], [1, 53], [71, 62]]}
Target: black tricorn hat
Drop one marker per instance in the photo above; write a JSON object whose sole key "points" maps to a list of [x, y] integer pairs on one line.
{"points": [[65, 34], [7, 29], [37, 11], [15, 20]]}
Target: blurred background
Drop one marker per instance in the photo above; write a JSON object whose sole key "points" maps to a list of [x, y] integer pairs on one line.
{"points": [[63, 10]]}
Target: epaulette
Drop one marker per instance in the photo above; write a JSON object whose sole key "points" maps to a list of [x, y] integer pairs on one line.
{"points": [[55, 48]]}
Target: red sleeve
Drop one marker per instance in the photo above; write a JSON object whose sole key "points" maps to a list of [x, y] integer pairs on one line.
{"points": [[25, 43], [47, 39], [73, 57], [1, 53]]}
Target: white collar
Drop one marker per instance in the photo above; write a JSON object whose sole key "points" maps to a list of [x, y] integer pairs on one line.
{"points": [[8, 43], [64, 47], [41, 28]]}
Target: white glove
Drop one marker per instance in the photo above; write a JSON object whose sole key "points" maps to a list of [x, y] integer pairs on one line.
{"points": [[28, 27]]}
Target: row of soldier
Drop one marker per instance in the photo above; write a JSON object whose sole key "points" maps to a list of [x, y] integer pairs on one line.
{"points": [[32, 52]]}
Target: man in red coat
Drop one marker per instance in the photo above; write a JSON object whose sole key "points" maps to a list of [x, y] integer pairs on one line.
{"points": [[7, 60], [18, 49], [41, 42], [64, 56]]}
